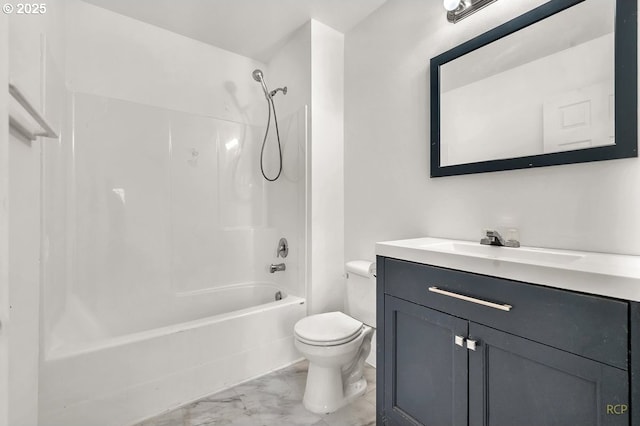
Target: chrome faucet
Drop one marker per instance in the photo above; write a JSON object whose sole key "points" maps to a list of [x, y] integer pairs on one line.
{"points": [[494, 238], [277, 267]]}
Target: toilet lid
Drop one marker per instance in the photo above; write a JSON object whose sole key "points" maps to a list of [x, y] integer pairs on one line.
{"points": [[331, 328]]}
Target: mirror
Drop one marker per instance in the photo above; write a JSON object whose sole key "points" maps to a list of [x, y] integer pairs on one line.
{"points": [[557, 85]]}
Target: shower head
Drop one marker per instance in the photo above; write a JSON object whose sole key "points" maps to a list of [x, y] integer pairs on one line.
{"points": [[257, 75]]}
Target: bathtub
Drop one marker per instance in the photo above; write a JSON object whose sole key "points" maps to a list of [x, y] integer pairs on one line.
{"points": [[118, 378]]}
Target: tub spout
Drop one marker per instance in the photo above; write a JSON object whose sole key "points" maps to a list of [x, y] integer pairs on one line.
{"points": [[277, 267]]}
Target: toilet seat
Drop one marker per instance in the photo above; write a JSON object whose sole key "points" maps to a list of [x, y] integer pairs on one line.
{"points": [[328, 329]]}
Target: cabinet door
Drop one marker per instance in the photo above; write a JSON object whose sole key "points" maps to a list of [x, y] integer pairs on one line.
{"points": [[515, 381], [425, 372]]}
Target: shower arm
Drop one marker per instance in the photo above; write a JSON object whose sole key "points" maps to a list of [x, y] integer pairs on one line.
{"points": [[279, 89]]}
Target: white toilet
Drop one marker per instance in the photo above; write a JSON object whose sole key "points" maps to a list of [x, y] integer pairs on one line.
{"points": [[337, 344]]}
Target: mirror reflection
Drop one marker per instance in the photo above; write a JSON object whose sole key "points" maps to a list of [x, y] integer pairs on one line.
{"points": [[525, 94]]}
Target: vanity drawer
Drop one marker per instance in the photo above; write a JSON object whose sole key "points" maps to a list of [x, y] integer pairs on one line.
{"points": [[591, 326]]}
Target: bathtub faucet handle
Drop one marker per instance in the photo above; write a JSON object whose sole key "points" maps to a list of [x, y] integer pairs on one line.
{"points": [[277, 267]]}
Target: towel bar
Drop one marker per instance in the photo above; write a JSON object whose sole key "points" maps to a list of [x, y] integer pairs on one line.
{"points": [[47, 132]]}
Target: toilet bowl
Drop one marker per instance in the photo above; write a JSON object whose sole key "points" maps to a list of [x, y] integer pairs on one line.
{"points": [[336, 346]]}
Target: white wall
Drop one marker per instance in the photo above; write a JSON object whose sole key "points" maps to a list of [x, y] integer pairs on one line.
{"points": [[4, 223], [22, 327], [291, 67], [36, 46], [24, 280], [388, 192], [327, 168], [118, 57]]}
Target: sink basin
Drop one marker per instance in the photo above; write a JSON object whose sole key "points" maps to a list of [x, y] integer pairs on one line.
{"points": [[508, 253]]}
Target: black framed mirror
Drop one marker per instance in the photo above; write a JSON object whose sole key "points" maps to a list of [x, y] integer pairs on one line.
{"points": [[557, 85]]}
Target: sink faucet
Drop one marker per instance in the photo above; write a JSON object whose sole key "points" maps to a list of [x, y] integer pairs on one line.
{"points": [[494, 238], [277, 267]]}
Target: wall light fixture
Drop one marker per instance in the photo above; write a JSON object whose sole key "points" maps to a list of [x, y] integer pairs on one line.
{"points": [[460, 9]]}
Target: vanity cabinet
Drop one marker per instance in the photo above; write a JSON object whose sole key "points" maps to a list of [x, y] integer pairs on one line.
{"points": [[456, 348], [423, 368]]}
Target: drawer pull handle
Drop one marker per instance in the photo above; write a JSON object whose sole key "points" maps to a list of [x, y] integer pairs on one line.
{"points": [[471, 299]]}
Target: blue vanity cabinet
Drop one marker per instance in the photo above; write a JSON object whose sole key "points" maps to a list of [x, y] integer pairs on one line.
{"points": [[422, 364], [534, 356], [514, 381]]}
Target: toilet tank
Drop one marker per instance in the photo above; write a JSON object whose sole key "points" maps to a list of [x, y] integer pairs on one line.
{"points": [[360, 300]]}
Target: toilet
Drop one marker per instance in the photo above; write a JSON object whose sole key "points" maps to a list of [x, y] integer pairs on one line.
{"points": [[337, 344]]}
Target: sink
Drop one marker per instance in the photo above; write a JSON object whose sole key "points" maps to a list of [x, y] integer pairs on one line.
{"points": [[535, 255]]}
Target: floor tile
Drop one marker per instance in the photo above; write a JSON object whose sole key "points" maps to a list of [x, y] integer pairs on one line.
{"points": [[359, 413], [370, 396], [271, 400]]}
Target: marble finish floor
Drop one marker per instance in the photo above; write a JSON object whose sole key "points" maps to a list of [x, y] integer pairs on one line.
{"points": [[271, 400]]}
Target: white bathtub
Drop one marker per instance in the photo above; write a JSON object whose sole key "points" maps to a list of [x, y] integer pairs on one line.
{"points": [[119, 379]]}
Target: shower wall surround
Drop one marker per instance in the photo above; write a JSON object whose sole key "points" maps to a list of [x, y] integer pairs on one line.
{"points": [[153, 201], [168, 211], [166, 205], [161, 194]]}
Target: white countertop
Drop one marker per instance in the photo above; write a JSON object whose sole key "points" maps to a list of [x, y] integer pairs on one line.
{"points": [[611, 275]]}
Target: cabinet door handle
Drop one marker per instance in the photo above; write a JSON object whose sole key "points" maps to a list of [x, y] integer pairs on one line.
{"points": [[471, 344], [459, 340], [502, 307]]}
